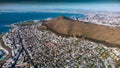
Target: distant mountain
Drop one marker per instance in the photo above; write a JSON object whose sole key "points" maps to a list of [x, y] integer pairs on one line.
{"points": [[98, 33]]}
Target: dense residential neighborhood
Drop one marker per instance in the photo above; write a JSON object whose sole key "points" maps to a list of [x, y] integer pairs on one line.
{"points": [[32, 47], [102, 18], [59, 33]]}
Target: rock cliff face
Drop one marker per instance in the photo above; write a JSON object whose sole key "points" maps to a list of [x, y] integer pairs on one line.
{"points": [[99, 33]]}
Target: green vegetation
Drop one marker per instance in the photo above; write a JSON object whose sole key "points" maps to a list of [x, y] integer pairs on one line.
{"points": [[42, 28], [91, 65], [117, 63], [26, 23], [109, 66], [2, 58], [1, 37], [77, 42], [2, 43]]}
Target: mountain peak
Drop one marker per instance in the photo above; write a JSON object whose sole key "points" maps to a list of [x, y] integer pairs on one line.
{"points": [[62, 17]]}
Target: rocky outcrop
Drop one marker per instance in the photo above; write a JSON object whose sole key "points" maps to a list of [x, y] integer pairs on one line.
{"points": [[99, 33]]}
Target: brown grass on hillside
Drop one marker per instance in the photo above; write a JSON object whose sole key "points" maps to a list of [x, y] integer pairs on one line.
{"points": [[65, 26]]}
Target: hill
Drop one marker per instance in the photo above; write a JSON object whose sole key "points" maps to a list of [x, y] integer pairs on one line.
{"points": [[98, 33]]}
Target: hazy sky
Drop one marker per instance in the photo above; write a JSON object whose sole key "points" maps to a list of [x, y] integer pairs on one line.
{"points": [[115, 7], [59, 1], [38, 5]]}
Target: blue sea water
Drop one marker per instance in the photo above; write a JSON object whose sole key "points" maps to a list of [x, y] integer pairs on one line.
{"points": [[7, 18]]}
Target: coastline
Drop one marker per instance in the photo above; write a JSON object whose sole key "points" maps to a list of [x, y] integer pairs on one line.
{"points": [[26, 28], [6, 49], [2, 44]]}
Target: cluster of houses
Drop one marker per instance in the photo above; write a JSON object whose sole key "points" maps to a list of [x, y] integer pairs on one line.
{"points": [[31, 47]]}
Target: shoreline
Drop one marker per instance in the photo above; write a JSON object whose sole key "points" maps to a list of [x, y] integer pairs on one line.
{"points": [[26, 24], [6, 49], [37, 36]]}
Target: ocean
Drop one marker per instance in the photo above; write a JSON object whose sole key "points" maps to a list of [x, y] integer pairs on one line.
{"points": [[7, 18]]}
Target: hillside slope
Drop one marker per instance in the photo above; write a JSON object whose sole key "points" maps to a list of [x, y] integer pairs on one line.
{"points": [[99, 33]]}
